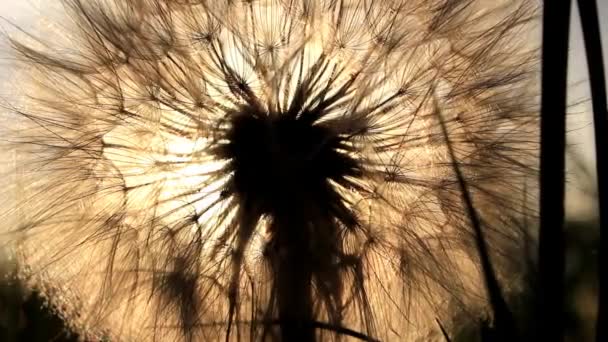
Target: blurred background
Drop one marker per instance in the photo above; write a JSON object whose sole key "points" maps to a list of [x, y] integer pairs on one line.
{"points": [[25, 317]]}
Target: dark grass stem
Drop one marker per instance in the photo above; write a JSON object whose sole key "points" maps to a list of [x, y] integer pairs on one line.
{"points": [[550, 315], [443, 331], [595, 65], [504, 324]]}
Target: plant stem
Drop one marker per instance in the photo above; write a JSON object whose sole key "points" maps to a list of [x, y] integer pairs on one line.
{"points": [[550, 315], [293, 278], [595, 65]]}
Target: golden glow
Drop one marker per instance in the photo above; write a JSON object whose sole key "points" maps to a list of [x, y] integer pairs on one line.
{"points": [[122, 198]]}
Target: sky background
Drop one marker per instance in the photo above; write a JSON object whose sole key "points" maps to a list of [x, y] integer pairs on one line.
{"points": [[580, 124], [26, 12]]}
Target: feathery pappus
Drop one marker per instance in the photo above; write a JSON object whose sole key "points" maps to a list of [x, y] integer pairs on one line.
{"points": [[196, 170]]}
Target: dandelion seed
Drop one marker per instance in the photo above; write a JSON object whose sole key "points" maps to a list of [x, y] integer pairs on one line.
{"points": [[272, 169]]}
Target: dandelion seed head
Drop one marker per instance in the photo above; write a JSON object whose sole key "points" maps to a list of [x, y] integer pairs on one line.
{"points": [[246, 170]]}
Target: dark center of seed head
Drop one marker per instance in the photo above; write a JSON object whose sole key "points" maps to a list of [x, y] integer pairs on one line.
{"points": [[285, 163]]}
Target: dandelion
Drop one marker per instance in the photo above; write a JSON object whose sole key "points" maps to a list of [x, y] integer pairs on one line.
{"points": [[197, 170]]}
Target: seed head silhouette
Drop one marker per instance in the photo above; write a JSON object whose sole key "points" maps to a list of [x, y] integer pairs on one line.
{"points": [[193, 170]]}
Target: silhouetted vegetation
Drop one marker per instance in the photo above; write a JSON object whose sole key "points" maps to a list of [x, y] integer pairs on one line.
{"points": [[286, 166]]}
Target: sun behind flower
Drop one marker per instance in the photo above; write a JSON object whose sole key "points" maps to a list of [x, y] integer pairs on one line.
{"points": [[273, 169]]}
